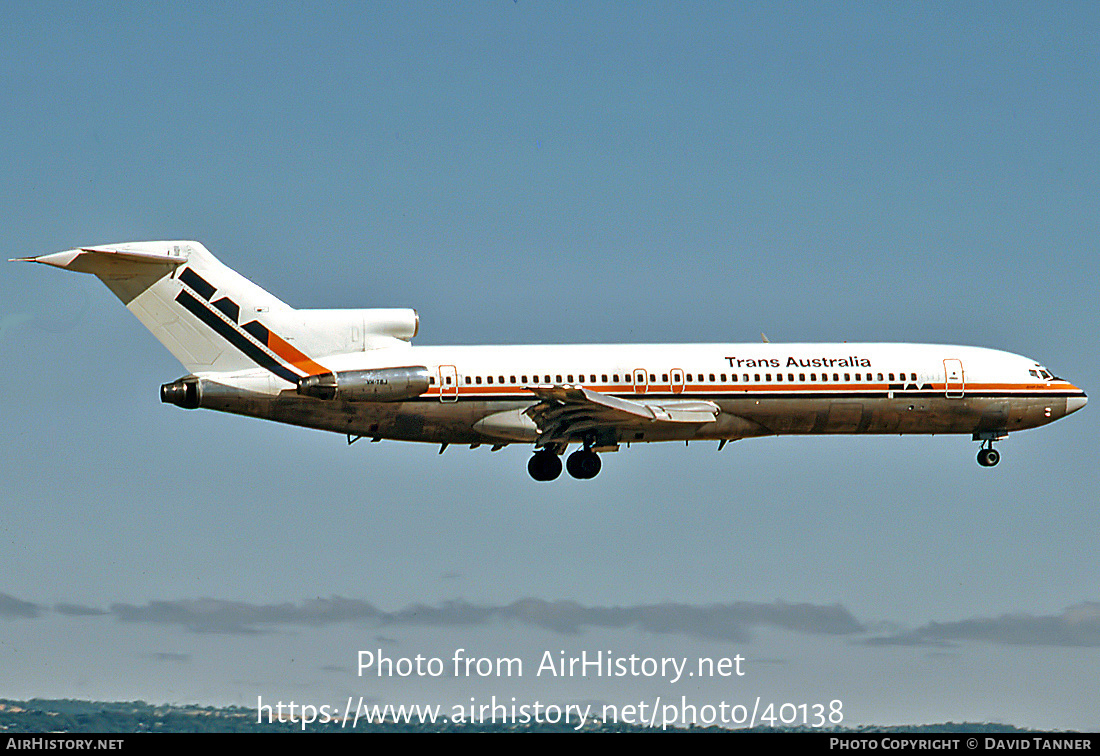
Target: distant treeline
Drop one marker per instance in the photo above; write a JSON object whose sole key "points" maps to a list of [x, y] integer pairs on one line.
{"points": [[74, 716]]}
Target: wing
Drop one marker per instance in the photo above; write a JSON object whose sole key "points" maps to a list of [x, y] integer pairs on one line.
{"points": [[570, 413]]}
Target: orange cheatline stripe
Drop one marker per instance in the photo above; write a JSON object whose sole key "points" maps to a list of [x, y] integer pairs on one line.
{"points": [[293, 356], [758, 388]]}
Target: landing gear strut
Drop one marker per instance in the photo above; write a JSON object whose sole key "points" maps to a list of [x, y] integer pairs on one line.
{"points": [[987, 455]]}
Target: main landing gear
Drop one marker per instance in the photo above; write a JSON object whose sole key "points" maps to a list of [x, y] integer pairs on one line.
{"points": [[545, 465], [583, 464], [987, 455]]}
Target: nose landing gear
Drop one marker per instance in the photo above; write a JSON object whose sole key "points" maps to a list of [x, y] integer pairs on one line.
{"points": [[987, 455]]}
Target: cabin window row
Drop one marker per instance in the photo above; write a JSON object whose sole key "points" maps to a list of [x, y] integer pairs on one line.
{"points": [[568, 378], [722, 377]]}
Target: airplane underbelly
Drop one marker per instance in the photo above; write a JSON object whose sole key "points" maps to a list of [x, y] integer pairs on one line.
{"points": [[919, 414]]}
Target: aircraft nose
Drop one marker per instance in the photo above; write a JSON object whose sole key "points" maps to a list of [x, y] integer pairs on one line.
{"points": [[1075, 403]]}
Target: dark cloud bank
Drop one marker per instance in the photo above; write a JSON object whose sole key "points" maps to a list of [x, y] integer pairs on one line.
{"points": [[1077, 626], [10, 606], [717, 621]]}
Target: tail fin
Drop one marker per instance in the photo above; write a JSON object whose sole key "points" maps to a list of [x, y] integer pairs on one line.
{"points": [[212, 319]]}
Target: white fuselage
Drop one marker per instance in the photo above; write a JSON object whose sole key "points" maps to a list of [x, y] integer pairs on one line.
{"points": [[761, 389]]}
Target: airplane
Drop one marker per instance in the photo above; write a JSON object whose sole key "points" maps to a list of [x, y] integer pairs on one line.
{"points": [[355, 372]]}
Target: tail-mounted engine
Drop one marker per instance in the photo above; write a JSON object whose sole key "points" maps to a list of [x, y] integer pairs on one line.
{"points": [[379, 385], [184, 392]]}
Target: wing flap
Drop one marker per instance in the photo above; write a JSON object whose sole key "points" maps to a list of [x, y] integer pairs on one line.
{"points": [[580, 396], [567, 412]]}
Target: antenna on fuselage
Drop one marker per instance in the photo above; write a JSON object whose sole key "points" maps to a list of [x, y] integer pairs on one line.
{"points": [[764, 338]]}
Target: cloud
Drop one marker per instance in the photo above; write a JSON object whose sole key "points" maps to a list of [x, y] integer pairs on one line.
{"points": [[1077, 626], [716, 621], [76, 610], [10, 606], [216, 616]]}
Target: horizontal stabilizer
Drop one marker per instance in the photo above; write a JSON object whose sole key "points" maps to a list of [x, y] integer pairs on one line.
{"points": [[88, 259]]}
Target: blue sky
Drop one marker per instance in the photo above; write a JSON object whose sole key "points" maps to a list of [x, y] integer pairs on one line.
{"points": [[553, 173]]}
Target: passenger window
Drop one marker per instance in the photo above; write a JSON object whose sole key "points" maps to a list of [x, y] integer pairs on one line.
{"points": [[768, 377], [448, 380], [757, 376], [431, 380], [913, 377], [559, 378], [523, 378], [779, 376], [712, 377], [688, 377], [664, 378], [700, 377], [603, 378], [891, 377], [857, 376], [723, 377], [591, 379], [733, 377], [802, 377], [467, 380], [489, 379], [836, 377], [615, 377], [813, 376], [511, 379], [478, 380], [880, 377], [652, 378]]}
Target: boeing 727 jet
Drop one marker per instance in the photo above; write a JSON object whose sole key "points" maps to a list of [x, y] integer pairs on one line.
{"points": [[356, 372]]}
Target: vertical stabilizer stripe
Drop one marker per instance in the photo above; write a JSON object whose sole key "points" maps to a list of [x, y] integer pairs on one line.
{"points": [[198, 283], [293, 356], [239, 340]]}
